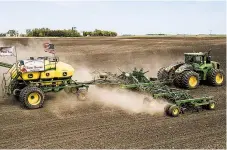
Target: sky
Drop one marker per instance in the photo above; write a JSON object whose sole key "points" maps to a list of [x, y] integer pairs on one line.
{"points": [[124, 17]]}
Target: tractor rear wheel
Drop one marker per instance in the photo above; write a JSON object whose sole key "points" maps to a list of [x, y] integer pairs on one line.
{"points": [[162, 74], [215, 77], [190, 80], [32, 97], [177, 80]]}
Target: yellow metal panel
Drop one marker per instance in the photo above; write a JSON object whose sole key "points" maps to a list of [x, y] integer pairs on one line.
{"points": [[55, 73], [36, 75], [50, 72]]}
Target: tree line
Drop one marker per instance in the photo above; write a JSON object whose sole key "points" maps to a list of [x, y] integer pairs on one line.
{"points": [[46, 32], [99, 33]]}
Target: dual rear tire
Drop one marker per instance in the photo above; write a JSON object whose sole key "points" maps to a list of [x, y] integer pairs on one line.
{"points": [[187, 80], [162, 74]]}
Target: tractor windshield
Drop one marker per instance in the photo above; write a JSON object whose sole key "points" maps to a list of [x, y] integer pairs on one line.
{"points": [[193, 59], [188, 59]]}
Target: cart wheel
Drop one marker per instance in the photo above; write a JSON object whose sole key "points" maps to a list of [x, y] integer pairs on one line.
{"points": [[174, 111], [82, 94], [166, 109], [32, 97], [211, 106]]}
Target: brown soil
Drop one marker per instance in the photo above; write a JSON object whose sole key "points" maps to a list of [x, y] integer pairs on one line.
{"points": [[64, 122]]}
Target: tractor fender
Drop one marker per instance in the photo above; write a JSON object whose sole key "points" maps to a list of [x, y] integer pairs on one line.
{"points": [[173, 67], [215, 65], [183, 68]]}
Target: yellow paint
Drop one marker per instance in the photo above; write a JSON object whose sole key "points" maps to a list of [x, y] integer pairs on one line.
{"points": [[34, 98], [175, 111], [193, 81], [51, 74], [212, 105], [219, 78], [57, 73]]}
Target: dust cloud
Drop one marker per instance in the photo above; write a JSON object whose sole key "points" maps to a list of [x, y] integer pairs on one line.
{"points": [[61, 104], [128, 101], [82, 74]]}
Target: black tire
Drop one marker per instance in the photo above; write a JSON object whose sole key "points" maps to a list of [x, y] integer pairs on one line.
{"points": [[32, 97], [190, 80], [82, 94], [213, 75], [166, 109], [162, 74], [178, 80], [174, 111]]}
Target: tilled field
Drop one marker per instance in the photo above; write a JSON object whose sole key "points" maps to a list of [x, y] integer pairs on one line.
{"points": [[64, 122]]}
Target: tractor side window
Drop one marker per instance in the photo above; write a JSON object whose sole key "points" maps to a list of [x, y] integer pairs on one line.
{"points": [[198, 59], [188, 59]]}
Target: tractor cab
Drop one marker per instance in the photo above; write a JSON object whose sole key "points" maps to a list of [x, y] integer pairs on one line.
{"points": [[198, 58]]}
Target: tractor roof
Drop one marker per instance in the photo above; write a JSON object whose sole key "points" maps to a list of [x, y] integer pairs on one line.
{"points": [[196, 54]]}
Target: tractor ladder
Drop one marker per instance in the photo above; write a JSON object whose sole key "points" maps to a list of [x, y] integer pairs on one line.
{"points": [[8, 78]]}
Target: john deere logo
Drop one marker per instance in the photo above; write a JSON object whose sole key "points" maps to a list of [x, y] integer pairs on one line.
{"points": [[30, 75], [64, 73]]}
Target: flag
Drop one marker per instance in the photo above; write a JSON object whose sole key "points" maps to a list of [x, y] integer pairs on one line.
{"points": [[6, 51], [49, 48]]}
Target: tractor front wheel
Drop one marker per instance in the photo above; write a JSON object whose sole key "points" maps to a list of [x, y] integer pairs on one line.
{"points": [[190, 80], [215, 77], [32, 97]]}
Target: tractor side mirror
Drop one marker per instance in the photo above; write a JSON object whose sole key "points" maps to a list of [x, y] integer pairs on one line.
{"points": [[208, 59]]}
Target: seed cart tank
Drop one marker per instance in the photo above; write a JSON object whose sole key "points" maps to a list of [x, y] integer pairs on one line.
{"points": [[42, 68], [28, 80]]}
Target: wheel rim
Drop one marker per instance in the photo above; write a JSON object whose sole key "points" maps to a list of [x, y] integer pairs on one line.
{"points": [[219, 78], [34, 98], [175, 111], [193, 81], [212, 105]]}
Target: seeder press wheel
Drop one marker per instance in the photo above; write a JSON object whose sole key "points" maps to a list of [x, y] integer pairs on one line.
{"points": [[172, 110], [82, 94]]}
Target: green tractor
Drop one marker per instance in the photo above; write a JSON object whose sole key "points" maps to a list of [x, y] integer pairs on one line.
{"points": [[197, 67]]}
